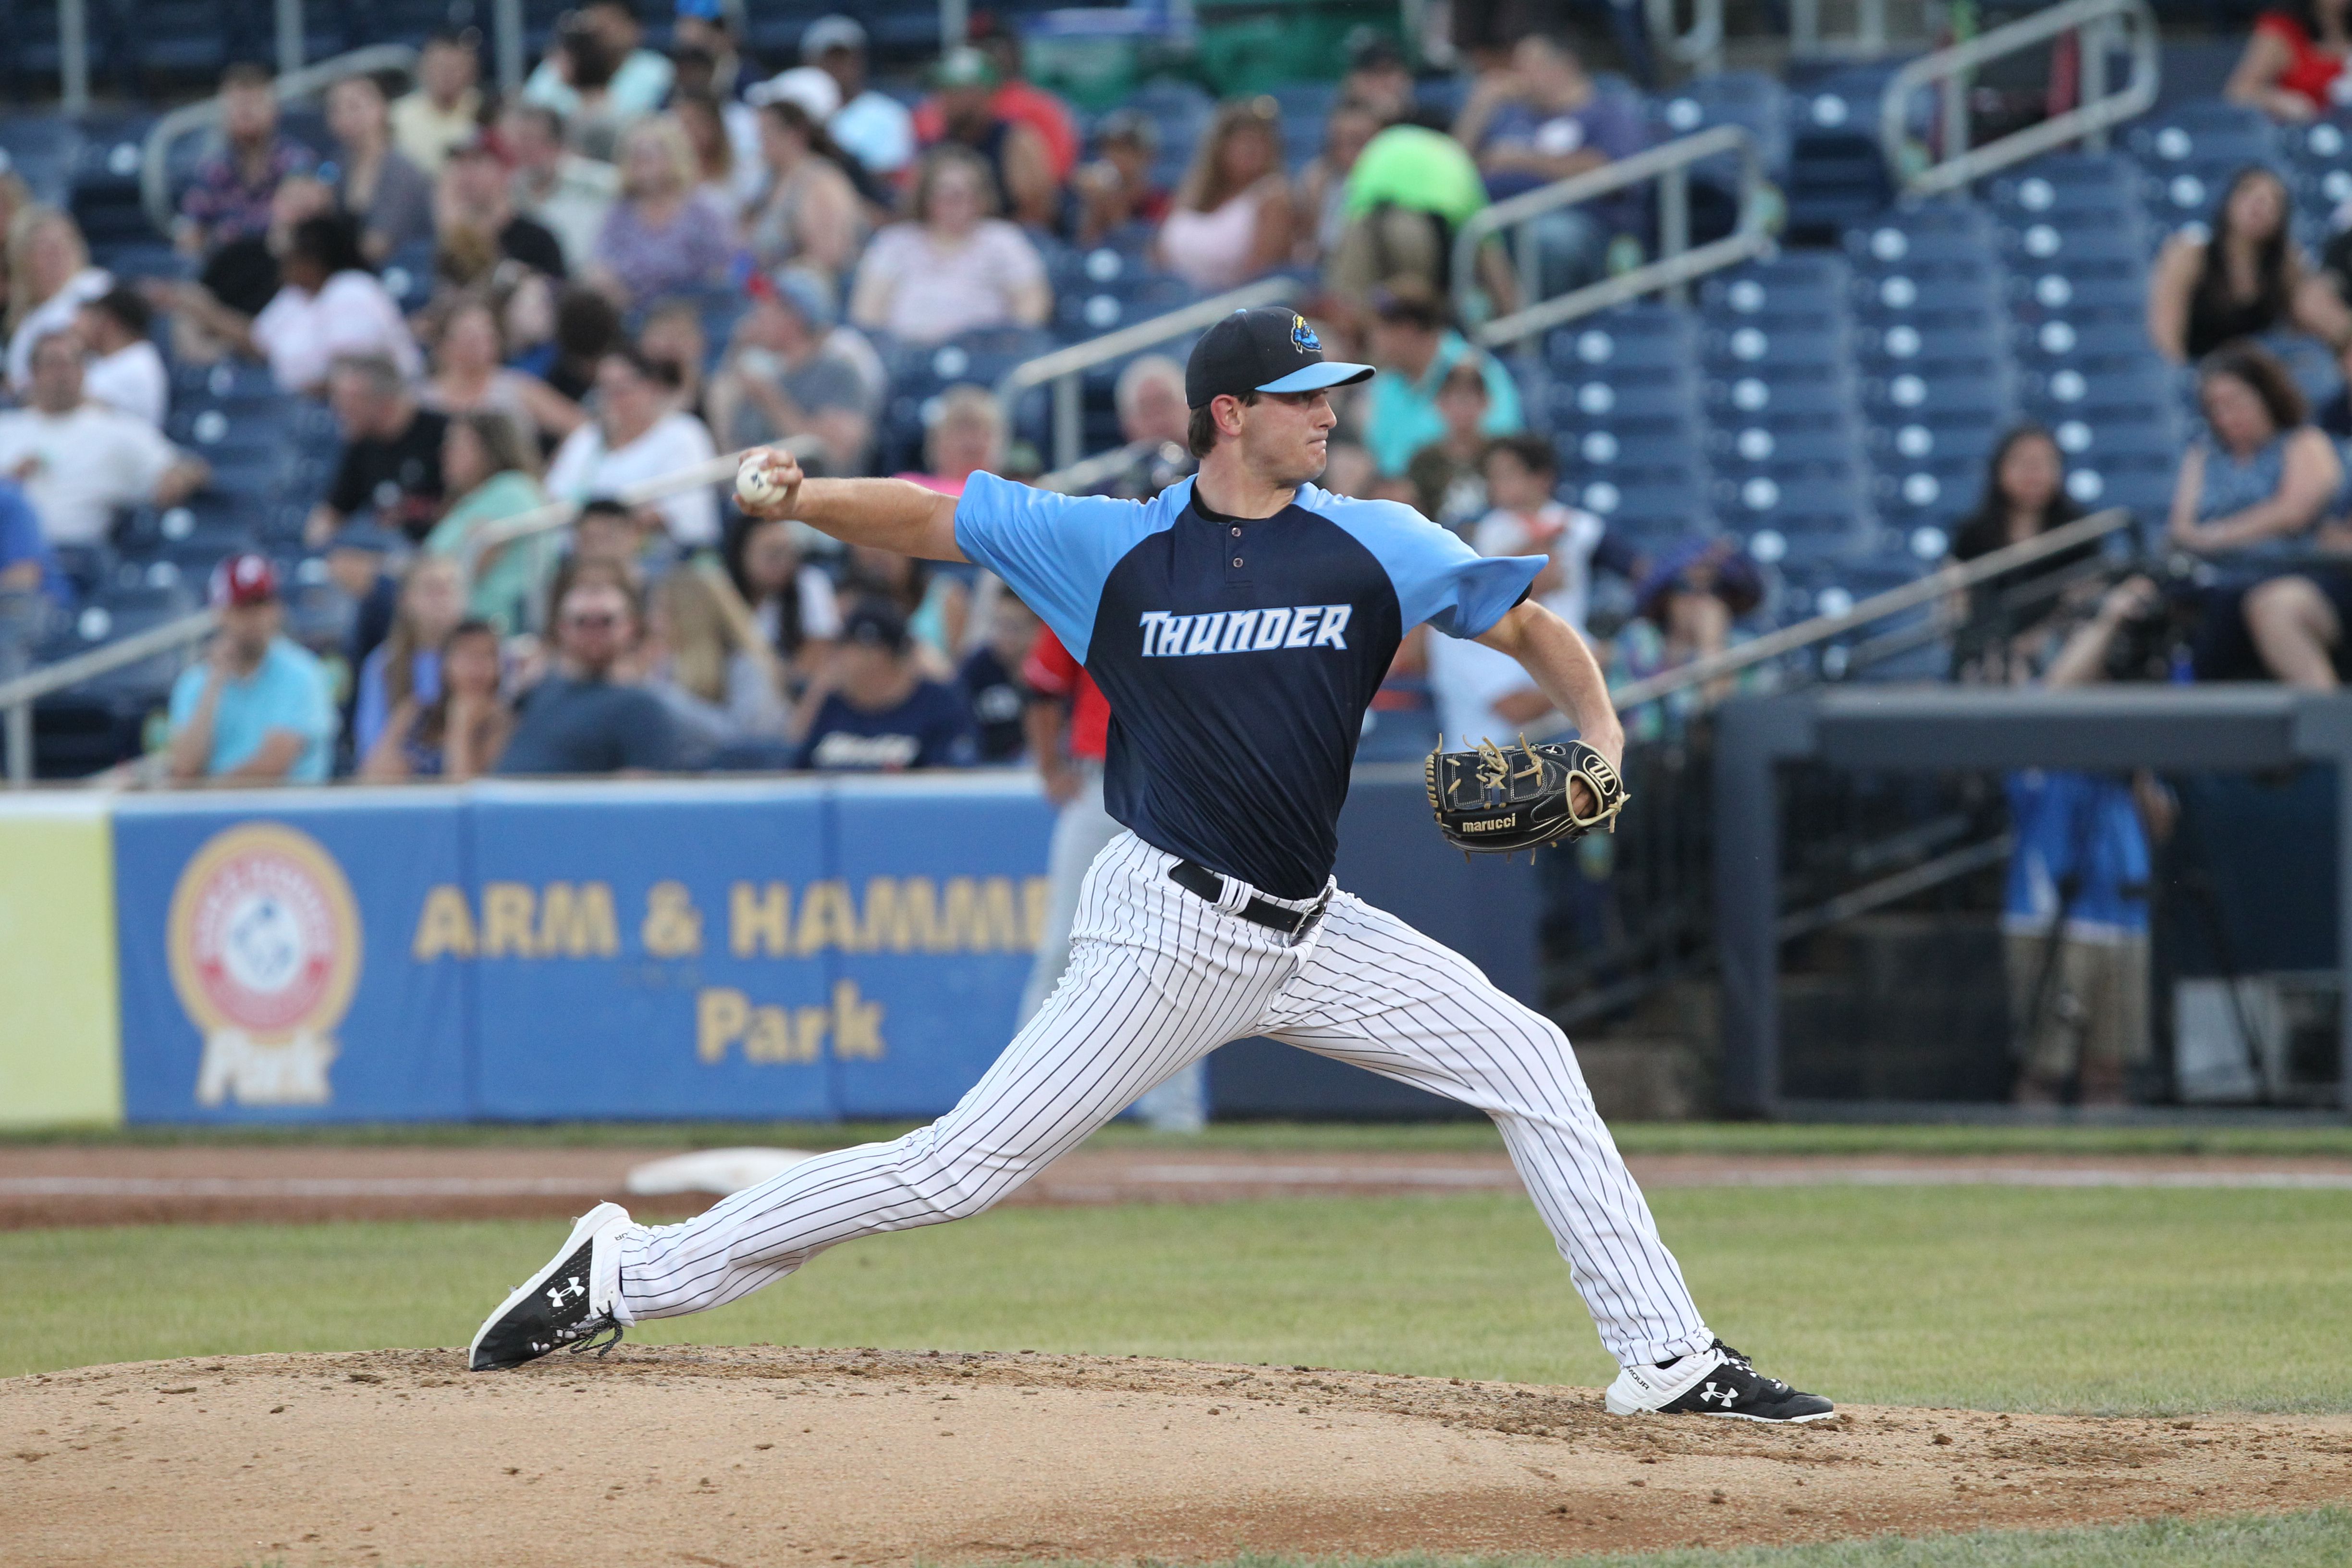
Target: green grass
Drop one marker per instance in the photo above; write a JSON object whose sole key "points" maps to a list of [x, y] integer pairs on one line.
{"points": [[2098, 1300], [2322, 1539], [1458, 1137]]}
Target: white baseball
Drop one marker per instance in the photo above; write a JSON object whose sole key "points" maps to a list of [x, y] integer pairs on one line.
{"points": [[753, 485]]}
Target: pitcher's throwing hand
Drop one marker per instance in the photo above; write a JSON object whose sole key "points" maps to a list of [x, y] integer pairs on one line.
{"points": [[767, 483]]}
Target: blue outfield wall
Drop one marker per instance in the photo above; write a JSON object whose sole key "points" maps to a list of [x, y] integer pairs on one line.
{"points": [[787, 948]]}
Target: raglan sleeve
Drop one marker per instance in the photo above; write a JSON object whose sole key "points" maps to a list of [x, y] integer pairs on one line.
{"points": [[1055, 551], [1437, 577]]}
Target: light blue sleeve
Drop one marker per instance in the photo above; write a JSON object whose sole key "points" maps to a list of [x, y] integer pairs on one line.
{"points": [[186, 690], [1055, 551], [1438, 578]]}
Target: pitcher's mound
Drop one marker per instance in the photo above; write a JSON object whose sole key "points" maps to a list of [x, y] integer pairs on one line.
{"points": [[688, 1455]]}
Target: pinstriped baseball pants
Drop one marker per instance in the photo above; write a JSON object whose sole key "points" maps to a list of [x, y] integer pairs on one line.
{"points": [[1158, 978]]}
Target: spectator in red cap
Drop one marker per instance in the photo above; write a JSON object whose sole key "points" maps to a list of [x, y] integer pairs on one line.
{"points": [[258, 709]]}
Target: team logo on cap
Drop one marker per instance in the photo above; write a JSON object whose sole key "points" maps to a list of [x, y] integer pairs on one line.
{"points": [[1304, 335], [263, 943]]}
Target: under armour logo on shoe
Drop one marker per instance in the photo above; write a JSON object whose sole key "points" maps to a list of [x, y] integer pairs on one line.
{"points": [[1728, 1397], [566, 1290]]}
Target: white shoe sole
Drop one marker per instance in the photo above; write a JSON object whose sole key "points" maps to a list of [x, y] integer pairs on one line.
{"points": [[583, 1229]]}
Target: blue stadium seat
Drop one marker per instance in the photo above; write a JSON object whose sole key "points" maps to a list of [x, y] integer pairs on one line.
{"points": [[1574, 404], [1732, 349], [1749, 99], [2059, 340], [1948, 291], [42, 151], [1799, 283], [2209, 131], [1633, 337]]}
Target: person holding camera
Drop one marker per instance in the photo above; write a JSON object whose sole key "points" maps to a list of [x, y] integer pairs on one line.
{"points": [[2074, 920]]}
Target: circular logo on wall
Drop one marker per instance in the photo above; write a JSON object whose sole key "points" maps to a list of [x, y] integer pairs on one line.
{"points": [[264, 936]]}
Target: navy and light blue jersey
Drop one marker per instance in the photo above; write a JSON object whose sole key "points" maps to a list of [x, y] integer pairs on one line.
{"points": [[1238, 654]]}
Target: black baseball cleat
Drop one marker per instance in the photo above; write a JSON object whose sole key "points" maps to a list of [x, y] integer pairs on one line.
{"points": [[1717, 1381], [558, 1307]]}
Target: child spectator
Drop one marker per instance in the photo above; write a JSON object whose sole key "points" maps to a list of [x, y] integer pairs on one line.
{"points": [[458, 735], [1448, 476], [407, 666]]}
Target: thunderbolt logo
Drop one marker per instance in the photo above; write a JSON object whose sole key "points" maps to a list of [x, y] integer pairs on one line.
{"points": [[1167, 636]]}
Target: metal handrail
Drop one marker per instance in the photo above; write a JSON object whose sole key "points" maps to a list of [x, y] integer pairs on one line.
{"points": [[155, 157], [549, 516], [1806, 43], [1063, 366], [1701, 49], [17, 696], [1677, 264], [1878, 606], [2088, 121]]}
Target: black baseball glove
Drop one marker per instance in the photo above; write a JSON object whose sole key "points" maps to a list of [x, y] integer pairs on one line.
{"points": [[1523, 797]]}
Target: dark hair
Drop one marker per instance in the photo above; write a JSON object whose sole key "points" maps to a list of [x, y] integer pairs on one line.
{"points": [[733, 552], [2260, 370], [433, 723], [331, 240], [592, 64], [795, 118], [859, 584], [127, 308], [1412, 302], [587, 324], [246, 73], [604, 506], [1986, 530], [467, 38], [2212, 292], [1533, 453], [660, 372], [1201, 429]]}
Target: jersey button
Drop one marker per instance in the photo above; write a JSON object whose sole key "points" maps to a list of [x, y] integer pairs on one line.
{"points": [[1237, 533], [1237, 560]]}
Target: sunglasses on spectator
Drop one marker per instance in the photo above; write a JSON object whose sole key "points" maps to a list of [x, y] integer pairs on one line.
{"points": [[593, 620]]}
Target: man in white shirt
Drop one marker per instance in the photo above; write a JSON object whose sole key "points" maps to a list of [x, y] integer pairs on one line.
{"points": [[125, 371], [872, 127], [1490, 698], [79, 461], [638, 434]]}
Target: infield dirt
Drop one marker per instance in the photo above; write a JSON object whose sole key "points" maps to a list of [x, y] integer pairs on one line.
{"points": [[686, 1455]]}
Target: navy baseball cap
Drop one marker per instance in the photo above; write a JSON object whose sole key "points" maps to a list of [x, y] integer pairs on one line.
{"points": [[1269, 348]]}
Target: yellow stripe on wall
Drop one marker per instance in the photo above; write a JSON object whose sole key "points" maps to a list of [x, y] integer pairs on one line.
{"points": [[60, 1024]]}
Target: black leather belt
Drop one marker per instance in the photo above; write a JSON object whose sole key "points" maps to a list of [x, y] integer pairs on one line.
{"points": [[1201, 882]]}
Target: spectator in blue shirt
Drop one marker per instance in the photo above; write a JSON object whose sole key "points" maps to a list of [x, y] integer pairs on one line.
{"points": [[259, 708], [27, 564], [881, 715], [588, 715], [1409, 340]]}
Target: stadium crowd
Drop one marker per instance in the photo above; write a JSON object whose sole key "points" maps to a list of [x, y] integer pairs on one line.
{"points": [[645, 258]]}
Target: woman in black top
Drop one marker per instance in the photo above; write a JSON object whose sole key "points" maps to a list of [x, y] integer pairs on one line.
{"points": [[2247, 278], [2024, 496]]}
